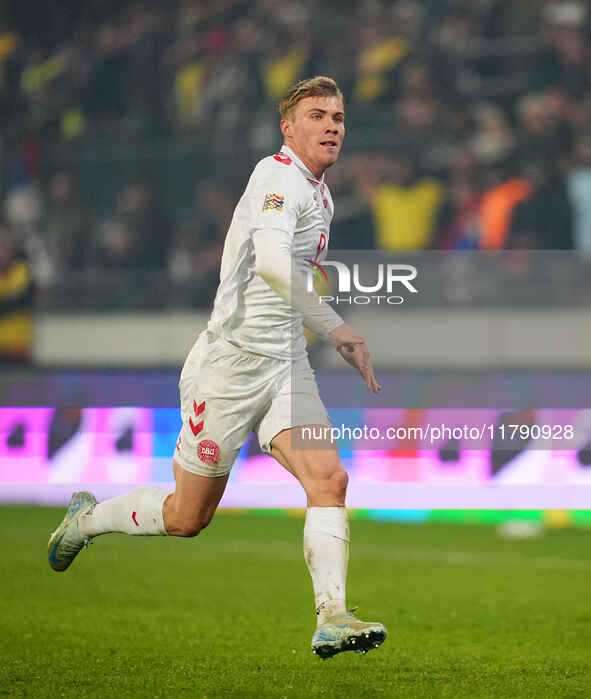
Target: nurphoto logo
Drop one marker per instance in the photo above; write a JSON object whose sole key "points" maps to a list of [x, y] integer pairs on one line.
{"points": [[376, 287]]}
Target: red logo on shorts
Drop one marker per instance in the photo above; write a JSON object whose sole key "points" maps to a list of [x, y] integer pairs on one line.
{"points": [[197, 409], [208, 451]]}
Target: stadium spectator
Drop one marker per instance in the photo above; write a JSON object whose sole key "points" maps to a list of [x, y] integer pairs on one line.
{"points": [[543, 220], [137, 236], [10, 47], [542, 130], [148, 36], [145, 217], [459, 223], [116, 247], [459, 71], [566, 60], [579, 190], [198, 242], [16, 298], [420, 123], [353, 225], [23, 208], [380, 53], [188, 69], [434, 79], [494, 139], [405, 205], [499, 198], [236, 83], [105, 93], [67, 226], [286, 61]]}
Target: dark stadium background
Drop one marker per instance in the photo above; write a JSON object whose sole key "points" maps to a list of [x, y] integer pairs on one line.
{"points": [[127, 133], [130, 128]]}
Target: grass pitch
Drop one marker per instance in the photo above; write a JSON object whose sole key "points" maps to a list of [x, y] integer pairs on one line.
{"points": [[230, 613]]}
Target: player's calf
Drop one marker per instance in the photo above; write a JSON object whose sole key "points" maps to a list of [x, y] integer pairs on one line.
{"points": [[188, 525], [192, 506]]}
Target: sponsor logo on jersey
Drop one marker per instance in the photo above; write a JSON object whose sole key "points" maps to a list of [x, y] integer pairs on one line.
{"points": [[208, 451], [274, 202], [282, 158]]}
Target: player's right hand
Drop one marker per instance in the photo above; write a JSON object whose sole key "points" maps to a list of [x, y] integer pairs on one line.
{"points": [[353, 349]]}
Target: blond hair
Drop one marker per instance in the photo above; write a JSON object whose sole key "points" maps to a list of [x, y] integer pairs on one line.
{"points": [[320, 86]]}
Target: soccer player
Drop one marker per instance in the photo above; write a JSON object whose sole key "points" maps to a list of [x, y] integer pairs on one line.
{"points": [[243, 370]]}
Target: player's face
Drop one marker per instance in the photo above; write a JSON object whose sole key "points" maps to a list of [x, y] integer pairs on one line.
{"points": [[315, 131]]}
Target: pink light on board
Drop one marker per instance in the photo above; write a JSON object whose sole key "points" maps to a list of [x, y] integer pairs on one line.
{"points": [[24, 444]]}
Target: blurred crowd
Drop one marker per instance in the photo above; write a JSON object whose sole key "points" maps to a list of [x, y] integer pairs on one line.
{"points": [[469, 125]]}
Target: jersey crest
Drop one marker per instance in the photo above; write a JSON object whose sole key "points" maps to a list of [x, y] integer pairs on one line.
{"points": [[208, 451]]}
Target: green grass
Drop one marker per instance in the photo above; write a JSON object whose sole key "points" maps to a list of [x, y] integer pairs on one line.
{"points": [[230, 613]]}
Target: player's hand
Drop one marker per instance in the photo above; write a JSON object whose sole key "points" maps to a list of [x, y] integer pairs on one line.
{"points": [[353, 349]]}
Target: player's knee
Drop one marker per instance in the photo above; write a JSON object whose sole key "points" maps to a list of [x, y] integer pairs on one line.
{"points": [[333, 485], [340, 482]]}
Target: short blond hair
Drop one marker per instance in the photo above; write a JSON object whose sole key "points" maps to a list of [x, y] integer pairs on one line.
{"points": [[320, 86]]}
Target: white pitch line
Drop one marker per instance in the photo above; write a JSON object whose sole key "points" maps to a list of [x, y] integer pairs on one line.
{"points": [[478, 559], [454, 558]]}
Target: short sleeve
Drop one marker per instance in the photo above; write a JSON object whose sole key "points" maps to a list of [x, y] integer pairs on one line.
{"points": [[274, 197]]}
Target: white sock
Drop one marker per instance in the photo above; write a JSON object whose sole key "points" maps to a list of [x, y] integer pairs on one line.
{"points": [[326, 549], [138, 512]]}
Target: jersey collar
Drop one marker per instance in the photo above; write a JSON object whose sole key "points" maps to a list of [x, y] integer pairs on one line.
{"points": [[309, 175]]}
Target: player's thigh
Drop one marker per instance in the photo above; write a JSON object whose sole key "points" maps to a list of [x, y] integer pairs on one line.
{"points": [[294, 403], [296, 431]]}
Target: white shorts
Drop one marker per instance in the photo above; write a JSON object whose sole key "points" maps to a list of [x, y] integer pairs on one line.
{"points": [[227, 393]]}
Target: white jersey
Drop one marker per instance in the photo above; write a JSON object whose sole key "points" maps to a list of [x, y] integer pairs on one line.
{"points": [[281, 194]]}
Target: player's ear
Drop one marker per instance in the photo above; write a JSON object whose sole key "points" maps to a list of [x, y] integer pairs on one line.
{"points": [[285, 126]]}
